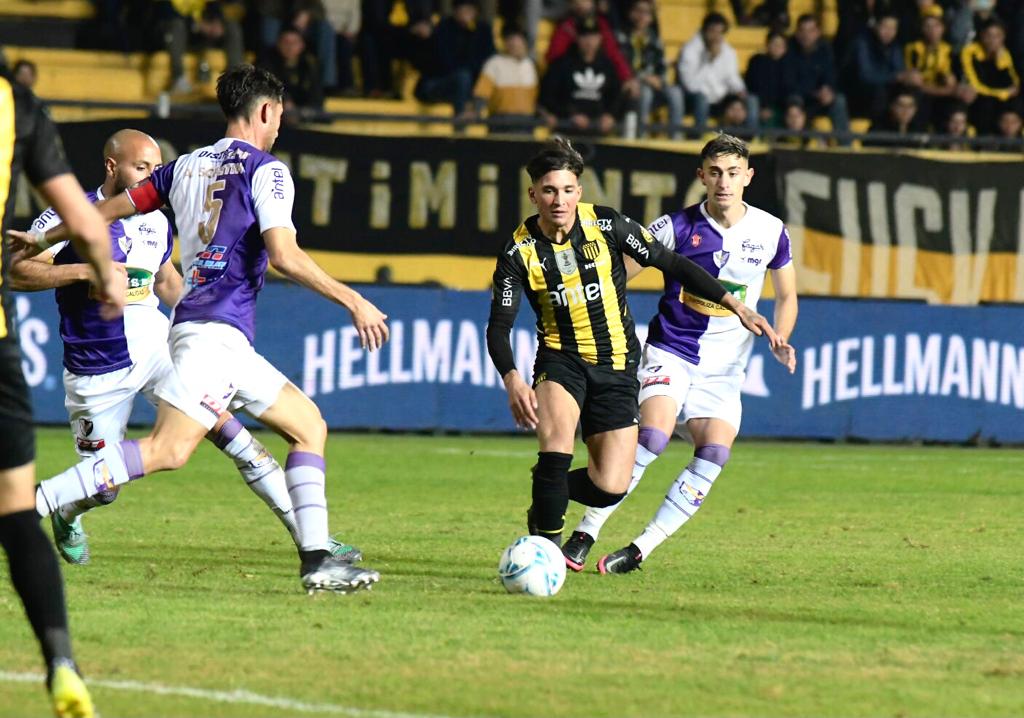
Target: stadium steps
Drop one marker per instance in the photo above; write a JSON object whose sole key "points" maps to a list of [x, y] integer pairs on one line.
{"points": [[67, 9]]}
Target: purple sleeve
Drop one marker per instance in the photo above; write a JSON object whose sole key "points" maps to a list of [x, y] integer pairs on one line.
{"points": [[783, 254], [162, 178], [170, 245]]}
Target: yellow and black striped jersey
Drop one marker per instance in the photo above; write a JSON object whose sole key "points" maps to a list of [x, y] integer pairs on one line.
{"points": [[29, 142], [578, 288]]}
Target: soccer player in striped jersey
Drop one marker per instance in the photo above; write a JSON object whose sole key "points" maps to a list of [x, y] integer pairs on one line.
{"points": [[108, 362], [568, 260], [232, 202], [696, 353]]}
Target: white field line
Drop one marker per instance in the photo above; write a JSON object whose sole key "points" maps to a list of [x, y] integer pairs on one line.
{"points": [[237, 696]]}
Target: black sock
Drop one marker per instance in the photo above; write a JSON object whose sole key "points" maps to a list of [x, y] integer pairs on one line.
{"points": [[583, 490], [310, 559], [36, 577], [550, 492]]}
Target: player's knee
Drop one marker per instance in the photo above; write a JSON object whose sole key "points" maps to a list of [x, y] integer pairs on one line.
{"points": [[714, 453], [313, 433]]}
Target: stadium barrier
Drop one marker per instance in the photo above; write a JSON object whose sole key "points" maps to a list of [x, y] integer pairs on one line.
{"points": [[868, 369], [945, 227]]}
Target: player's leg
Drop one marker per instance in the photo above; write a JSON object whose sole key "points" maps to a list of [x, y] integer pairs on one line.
{"points": [[32, 564], [560, 384]]}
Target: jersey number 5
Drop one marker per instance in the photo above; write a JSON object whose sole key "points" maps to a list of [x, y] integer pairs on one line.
{"points": [[212, 205]]}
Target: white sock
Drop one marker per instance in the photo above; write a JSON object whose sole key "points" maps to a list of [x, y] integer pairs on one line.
{"points": [[304, 474], [111, 466], [594, 519], [681, 503], [70, 512], [260, 471]]}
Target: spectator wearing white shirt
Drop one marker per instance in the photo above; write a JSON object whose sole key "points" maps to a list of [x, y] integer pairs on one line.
{"points": [[709, 71]]}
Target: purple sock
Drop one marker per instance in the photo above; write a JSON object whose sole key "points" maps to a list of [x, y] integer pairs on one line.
{"points": [[654, 440], [132, 458], [227, 433], [715, 453]]}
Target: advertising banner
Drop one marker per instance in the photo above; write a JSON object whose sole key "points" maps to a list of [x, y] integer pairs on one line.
{"points": [[879, 370]]}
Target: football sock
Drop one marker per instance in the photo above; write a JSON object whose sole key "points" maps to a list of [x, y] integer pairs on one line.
{"points": [[70, 512], [550, 493], [109, 468], [36, 577], [304, 473], [583, 490], [685, 497], [259, 469], [651, 442]]}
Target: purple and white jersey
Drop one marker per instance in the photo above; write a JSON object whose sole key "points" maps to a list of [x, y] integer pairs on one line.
{"points": [[700, 331], [224, 197], [93, 345]]}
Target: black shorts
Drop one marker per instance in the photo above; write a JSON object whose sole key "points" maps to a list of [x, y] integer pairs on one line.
{"points": [[607, 397], [17, 434]]}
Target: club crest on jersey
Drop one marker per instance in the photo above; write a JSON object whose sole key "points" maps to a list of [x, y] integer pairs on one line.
{"points": [[566, 262], [125, 243], [591, 250], [695, 240], [721, 257]]}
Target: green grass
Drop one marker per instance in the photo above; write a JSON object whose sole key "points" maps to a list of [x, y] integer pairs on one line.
{"points": [[817, 580]]}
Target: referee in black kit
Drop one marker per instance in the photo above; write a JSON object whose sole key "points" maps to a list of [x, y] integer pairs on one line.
{"points": [[29, 143]]}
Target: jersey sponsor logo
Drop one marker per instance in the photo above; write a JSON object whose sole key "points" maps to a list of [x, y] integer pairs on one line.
{"points": [[695, 240], [278, 177], [709, 308], [591, 250], [232, 168], [90, 444], [648, 237], [720, 257], [506, 292], [582, 294], [518, 246], [635, 243], [212, 259], [145, 229], [656, 380], [140, 284], [751, 246], [660, 222], [566, 261], [756, 261], [605, 225]]}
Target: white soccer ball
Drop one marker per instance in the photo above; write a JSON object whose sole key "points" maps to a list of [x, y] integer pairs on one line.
{"points": [[532, 565]]}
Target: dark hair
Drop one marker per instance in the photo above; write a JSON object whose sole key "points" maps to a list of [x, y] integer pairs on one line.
{"points": [[556, 154], [288, 30], [25, 63], [724, 144], [795, 101], [808, 17], [992, 21], [732, 99], [239, 88], [510, 28], [774, 33], [714, 18]]}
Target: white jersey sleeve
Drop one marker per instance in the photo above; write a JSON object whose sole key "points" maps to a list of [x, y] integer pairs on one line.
{"points": [[664, 231], [273, 194]]}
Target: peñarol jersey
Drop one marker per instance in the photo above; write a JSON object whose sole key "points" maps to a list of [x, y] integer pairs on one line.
{"points": [[578, 288], [700, 331]]}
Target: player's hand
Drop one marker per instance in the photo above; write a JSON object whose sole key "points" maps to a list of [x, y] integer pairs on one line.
{"points": [[25, 244], [110, 291], [371, 323], [522, 400], [758, 325], [786, 355]]}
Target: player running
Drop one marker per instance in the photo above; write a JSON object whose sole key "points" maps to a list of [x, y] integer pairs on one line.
{"points": [[29, 142], [107, 363], [568, 258], [232, 203], [696, 353]]}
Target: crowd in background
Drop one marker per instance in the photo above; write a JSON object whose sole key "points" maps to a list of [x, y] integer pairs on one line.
{"points": [[910, 66]]}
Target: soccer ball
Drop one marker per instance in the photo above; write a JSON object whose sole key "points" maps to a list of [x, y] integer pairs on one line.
{"points": [[532, 565]]}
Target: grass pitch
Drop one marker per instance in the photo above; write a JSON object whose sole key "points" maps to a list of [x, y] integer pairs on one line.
{"points": [[817, 580]]}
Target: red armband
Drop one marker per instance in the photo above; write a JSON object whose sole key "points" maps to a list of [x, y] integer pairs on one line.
{"points": [[145, 197]]}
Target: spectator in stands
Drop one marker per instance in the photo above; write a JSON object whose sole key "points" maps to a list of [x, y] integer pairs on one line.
{"points": [[809, 69], [581, 88], [794, 119], [765, 78], [875, 65], [461, 43], [376, 46], [958, 126], [709, 70], [988, 68], [933, 58], [1012, 13], [734, 113], [564, 37], [344, 18], [900, 119], [767, 13], [310, 18], [508, 85], [211, 22], [298, 70], [25, 73], [1010, 126], [641, 46]]}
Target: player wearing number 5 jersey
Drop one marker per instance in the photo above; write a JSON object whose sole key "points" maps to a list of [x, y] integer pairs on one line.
{"points": [[569, 261], [232, 202], [696, 353]]}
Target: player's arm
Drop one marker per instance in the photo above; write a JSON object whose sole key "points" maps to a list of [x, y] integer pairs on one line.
{"points": [[167, 284], [36, 274], [640, 244], [663, 230], [506, 294], [783, 277], [290, 260]]}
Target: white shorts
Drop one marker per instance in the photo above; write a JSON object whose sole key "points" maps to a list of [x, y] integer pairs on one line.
{"points": [[215, 369], [697, 393], [99, 406]]}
